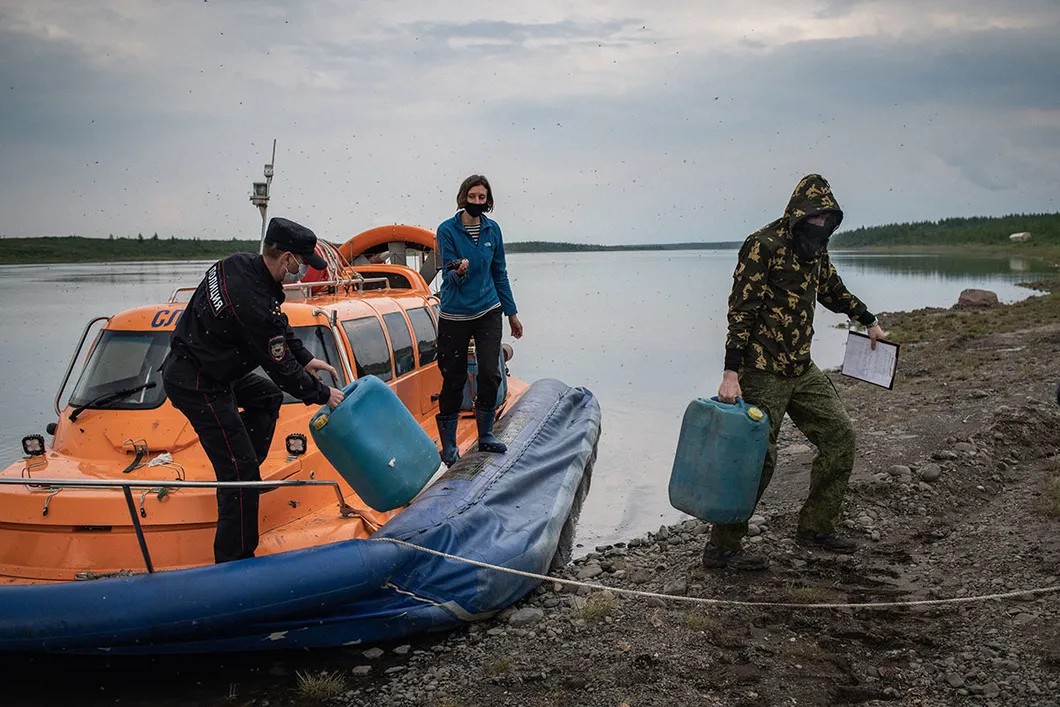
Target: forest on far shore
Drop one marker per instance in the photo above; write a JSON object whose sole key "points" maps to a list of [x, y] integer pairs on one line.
{"points": [[981, 233]]}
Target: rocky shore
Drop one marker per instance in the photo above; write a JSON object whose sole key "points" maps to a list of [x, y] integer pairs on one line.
{"points": [[955, 493]]}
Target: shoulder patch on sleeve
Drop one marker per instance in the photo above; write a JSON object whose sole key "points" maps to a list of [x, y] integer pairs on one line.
{"points": [[213, 289], [277, 348]]}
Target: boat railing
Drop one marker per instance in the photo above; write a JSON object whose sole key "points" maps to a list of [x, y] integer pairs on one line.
{"points": [[355, 283], [173, 297], [53, 486]]}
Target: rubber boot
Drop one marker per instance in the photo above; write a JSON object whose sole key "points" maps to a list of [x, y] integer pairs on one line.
{"points": [[447, 435], [486, 441]]}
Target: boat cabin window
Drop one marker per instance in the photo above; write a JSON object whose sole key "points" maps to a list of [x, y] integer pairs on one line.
{"points": [[123, 362], [319, 342], [370, 350], [401, 339], [426, 335]]}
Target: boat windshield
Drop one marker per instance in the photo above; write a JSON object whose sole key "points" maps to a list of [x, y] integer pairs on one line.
{"points": [[128, 361], [123, 361]]}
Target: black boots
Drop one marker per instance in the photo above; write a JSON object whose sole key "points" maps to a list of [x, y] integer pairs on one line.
{"points": [[716, 558], [447, 435], [486, 441], [826, 541]]}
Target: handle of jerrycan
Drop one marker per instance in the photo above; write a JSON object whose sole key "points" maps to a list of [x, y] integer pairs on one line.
{"points": [[351, 385], [752, 411], [347, 391], [321, 417]]}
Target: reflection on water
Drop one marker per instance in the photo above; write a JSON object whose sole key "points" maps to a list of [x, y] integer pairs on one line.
{"points": [[644, 331], [946, 267]]}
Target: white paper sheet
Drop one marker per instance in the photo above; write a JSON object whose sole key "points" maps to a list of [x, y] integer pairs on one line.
{"points": [[876, 367]]}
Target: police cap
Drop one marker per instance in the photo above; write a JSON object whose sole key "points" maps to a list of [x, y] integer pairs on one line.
{"points": [[295, 238]]}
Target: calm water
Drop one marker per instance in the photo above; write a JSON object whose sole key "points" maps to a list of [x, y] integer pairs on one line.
{"points": [[644, 331]]}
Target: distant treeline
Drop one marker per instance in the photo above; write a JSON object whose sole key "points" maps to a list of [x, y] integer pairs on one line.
{"points": [[977, 230], [75, 249], [983, 232], [557, 247]]}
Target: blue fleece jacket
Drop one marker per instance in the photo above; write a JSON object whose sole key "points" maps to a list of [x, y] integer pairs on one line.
{"points": [[486, 281]]}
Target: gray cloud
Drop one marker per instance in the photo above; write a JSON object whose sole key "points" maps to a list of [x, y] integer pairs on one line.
{"points": [[618, 128]]}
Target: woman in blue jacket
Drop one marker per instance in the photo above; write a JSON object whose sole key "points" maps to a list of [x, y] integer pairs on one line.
{"points": [[475, 292]]}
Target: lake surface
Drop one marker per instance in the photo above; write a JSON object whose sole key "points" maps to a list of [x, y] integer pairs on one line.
{"points": [[644, 331]]}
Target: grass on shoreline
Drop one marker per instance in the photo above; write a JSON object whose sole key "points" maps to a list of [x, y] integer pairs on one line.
{"points": [[935, 324]]}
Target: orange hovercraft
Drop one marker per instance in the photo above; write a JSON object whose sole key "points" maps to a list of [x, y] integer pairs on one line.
{"points": [[106, 530]]}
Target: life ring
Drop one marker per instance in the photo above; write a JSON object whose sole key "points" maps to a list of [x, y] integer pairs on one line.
{"points": [[371, 239]]}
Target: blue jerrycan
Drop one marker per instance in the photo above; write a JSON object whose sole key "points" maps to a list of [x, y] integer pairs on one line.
{"points": [[375, 444], [719, 460]]}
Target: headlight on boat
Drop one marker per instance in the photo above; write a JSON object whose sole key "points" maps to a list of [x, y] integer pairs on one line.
{"points": [[296, 444], [33, 445]]}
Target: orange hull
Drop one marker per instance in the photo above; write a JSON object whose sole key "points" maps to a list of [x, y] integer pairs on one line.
{"points": [[50, 534]]}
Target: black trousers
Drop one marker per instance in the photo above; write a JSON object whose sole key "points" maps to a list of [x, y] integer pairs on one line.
{"points": [[235, 441], [453, 340]]}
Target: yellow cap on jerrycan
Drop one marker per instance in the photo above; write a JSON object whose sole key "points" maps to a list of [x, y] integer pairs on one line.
{"points": [[320, 421], [755, 413]]}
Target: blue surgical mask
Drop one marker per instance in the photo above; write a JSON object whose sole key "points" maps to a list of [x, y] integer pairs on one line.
{"points": [[289, 276]]}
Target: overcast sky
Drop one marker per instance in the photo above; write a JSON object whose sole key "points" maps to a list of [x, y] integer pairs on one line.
{"points": [[596, 122]]}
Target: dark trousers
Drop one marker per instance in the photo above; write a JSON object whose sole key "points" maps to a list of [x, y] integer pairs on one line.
{"points": [[236, 443], [453, 340]]}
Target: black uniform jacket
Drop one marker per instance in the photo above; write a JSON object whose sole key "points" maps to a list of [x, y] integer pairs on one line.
{"points": [[233, 324]]}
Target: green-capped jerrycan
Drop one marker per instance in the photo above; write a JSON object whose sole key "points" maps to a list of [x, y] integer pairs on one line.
{"points": [[719, 460]]}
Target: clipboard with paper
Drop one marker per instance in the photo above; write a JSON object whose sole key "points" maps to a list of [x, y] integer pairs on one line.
{"points": [[872, 366]]}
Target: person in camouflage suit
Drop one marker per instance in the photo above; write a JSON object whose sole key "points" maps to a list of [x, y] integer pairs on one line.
{"points": [[783, 271]]}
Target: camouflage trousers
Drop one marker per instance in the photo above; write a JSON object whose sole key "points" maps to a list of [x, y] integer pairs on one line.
{"points": [[812, 403]]}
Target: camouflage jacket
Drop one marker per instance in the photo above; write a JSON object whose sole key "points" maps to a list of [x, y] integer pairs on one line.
{"points": [[774, 293]]}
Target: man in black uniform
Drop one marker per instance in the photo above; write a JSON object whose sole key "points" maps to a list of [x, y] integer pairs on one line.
{"points": [[232, 325]]}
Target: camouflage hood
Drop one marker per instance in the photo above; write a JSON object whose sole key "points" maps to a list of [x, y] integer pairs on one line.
{"points": [[812, 196]]}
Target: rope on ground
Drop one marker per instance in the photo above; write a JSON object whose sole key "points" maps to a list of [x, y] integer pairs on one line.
{"points": [[727, 602]]}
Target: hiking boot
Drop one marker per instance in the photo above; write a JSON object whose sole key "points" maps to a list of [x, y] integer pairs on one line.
{"points": [[826, 541], [715, 558]]}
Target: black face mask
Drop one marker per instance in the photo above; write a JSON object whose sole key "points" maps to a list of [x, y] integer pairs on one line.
{"points": [[810, 239], [474, 210]]}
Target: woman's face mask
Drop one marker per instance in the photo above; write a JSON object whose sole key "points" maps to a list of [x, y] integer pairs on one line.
{"points": [[297, 275]]}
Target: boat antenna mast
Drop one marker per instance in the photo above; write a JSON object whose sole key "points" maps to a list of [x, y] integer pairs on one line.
{"points": [[259, 196]]}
